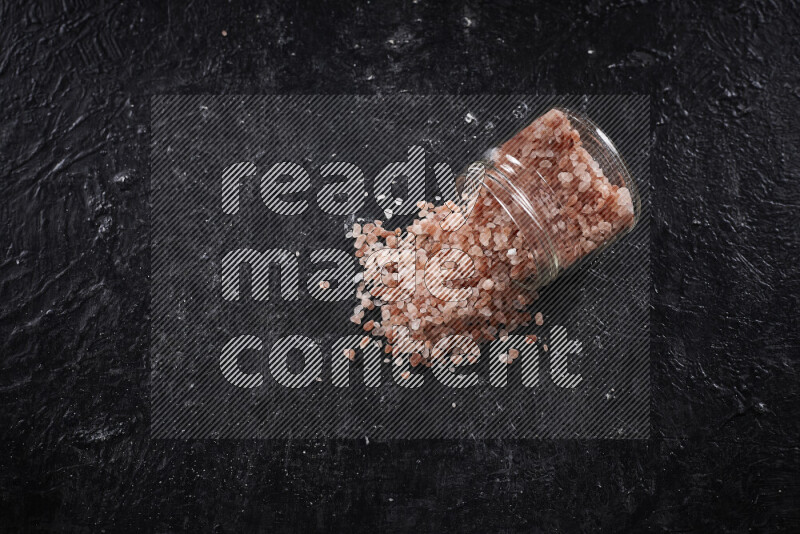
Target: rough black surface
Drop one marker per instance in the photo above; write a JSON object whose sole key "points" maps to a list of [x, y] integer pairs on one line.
{"points": [[75, 80]]}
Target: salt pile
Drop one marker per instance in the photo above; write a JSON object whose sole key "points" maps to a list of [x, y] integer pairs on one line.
{"points": [[577, 209]]}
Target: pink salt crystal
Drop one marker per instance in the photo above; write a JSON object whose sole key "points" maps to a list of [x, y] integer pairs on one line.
{"points": [[539, 319], [624, 201], [602, 188]]}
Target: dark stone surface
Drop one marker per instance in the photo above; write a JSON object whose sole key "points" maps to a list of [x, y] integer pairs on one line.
{"points": [[75, 81]]}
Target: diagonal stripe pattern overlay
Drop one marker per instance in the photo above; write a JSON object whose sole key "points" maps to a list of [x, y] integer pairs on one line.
{"points": [[253, 282]]}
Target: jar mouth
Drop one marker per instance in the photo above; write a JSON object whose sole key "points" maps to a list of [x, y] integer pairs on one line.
{"points": [[527, 218]]}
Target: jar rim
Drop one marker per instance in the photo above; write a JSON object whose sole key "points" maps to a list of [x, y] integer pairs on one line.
{"points": [[547, 267]]}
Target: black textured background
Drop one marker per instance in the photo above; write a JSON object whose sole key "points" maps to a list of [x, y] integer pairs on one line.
{"points": [[75, 80]]}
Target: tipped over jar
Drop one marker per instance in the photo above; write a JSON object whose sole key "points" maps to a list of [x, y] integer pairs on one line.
{"points": [[566, 189]]}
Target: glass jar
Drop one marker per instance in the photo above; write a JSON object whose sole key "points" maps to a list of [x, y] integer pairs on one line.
{"points": [[565, 187]]}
